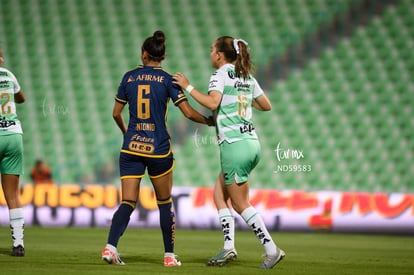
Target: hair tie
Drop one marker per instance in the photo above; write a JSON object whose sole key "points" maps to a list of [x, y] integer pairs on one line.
{"points": [[236, 44]]}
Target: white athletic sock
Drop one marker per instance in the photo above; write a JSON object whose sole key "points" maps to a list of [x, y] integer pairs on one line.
{"points": [[227, 225], [255, 222], [17, 226], [169, 254], [112, 248]]}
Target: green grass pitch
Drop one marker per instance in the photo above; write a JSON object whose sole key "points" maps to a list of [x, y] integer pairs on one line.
{"points": [[77, 251]]}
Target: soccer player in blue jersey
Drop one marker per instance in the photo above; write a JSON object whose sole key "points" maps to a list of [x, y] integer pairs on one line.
{"points": [[147, 90], [232, 94], [11, 153]]}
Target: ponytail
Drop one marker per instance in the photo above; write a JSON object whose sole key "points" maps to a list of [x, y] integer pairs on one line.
{"points": [[243, 64]]}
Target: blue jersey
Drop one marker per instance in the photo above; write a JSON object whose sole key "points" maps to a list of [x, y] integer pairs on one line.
{"points": [[148, 90]]}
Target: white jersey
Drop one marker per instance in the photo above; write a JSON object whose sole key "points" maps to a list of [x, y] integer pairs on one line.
{"points": [[9, 123], [234, 113]]}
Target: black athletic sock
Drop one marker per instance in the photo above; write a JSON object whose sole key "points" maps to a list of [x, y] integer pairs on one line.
{"points": [[120, 221], [167, 223]]}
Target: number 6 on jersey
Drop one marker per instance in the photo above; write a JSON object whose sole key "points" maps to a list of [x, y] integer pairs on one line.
{"points": [[143, 104]]}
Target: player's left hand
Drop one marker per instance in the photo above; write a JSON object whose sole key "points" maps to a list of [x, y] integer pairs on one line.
{"points": [[211, 121]]}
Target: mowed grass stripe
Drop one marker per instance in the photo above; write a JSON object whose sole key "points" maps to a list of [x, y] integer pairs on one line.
{"points": [[77, 251]]}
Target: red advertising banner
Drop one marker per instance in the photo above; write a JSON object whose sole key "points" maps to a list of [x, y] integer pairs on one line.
{"points": [[293, 210]]}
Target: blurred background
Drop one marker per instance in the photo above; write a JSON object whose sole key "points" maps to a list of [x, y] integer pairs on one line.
{"points": [[340, 76]]}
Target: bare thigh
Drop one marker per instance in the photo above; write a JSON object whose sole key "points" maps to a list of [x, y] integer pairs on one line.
{"points": [[163, 186], [130, 189]]}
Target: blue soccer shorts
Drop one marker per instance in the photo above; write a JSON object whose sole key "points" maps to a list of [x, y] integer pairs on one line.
{"points": [[134, 166]]}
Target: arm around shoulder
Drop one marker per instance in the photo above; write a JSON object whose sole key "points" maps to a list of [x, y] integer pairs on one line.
{"points": [[193, 115]]}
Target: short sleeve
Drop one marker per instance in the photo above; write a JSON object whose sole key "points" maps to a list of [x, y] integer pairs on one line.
{"points": [[121, 96], [16, 85], [257, 90], [216, 82], [176, 94]]}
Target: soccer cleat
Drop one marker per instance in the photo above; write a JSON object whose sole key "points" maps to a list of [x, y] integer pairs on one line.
{"points": [[225, 256], [17, 251], [171, 261], [271, 260], [111, 257]]}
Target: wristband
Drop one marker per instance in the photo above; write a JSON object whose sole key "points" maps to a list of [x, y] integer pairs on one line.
{"points": [[189, 88]]}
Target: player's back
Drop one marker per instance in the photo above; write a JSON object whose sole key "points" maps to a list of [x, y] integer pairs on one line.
{"points": [[147, 90]]}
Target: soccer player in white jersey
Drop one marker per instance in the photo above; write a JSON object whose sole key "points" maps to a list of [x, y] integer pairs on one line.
{"points": [[11, 153], [232, 93]]}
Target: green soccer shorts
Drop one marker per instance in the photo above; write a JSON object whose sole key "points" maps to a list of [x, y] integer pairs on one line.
{"points": [[11, 154], [238, 159]]}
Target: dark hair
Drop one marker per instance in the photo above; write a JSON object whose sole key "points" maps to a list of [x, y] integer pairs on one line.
{"points": [[242, 62], [155, 46]]}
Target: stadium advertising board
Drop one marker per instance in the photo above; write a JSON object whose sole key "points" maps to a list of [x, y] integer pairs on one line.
{"points": [[94, 205]]}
